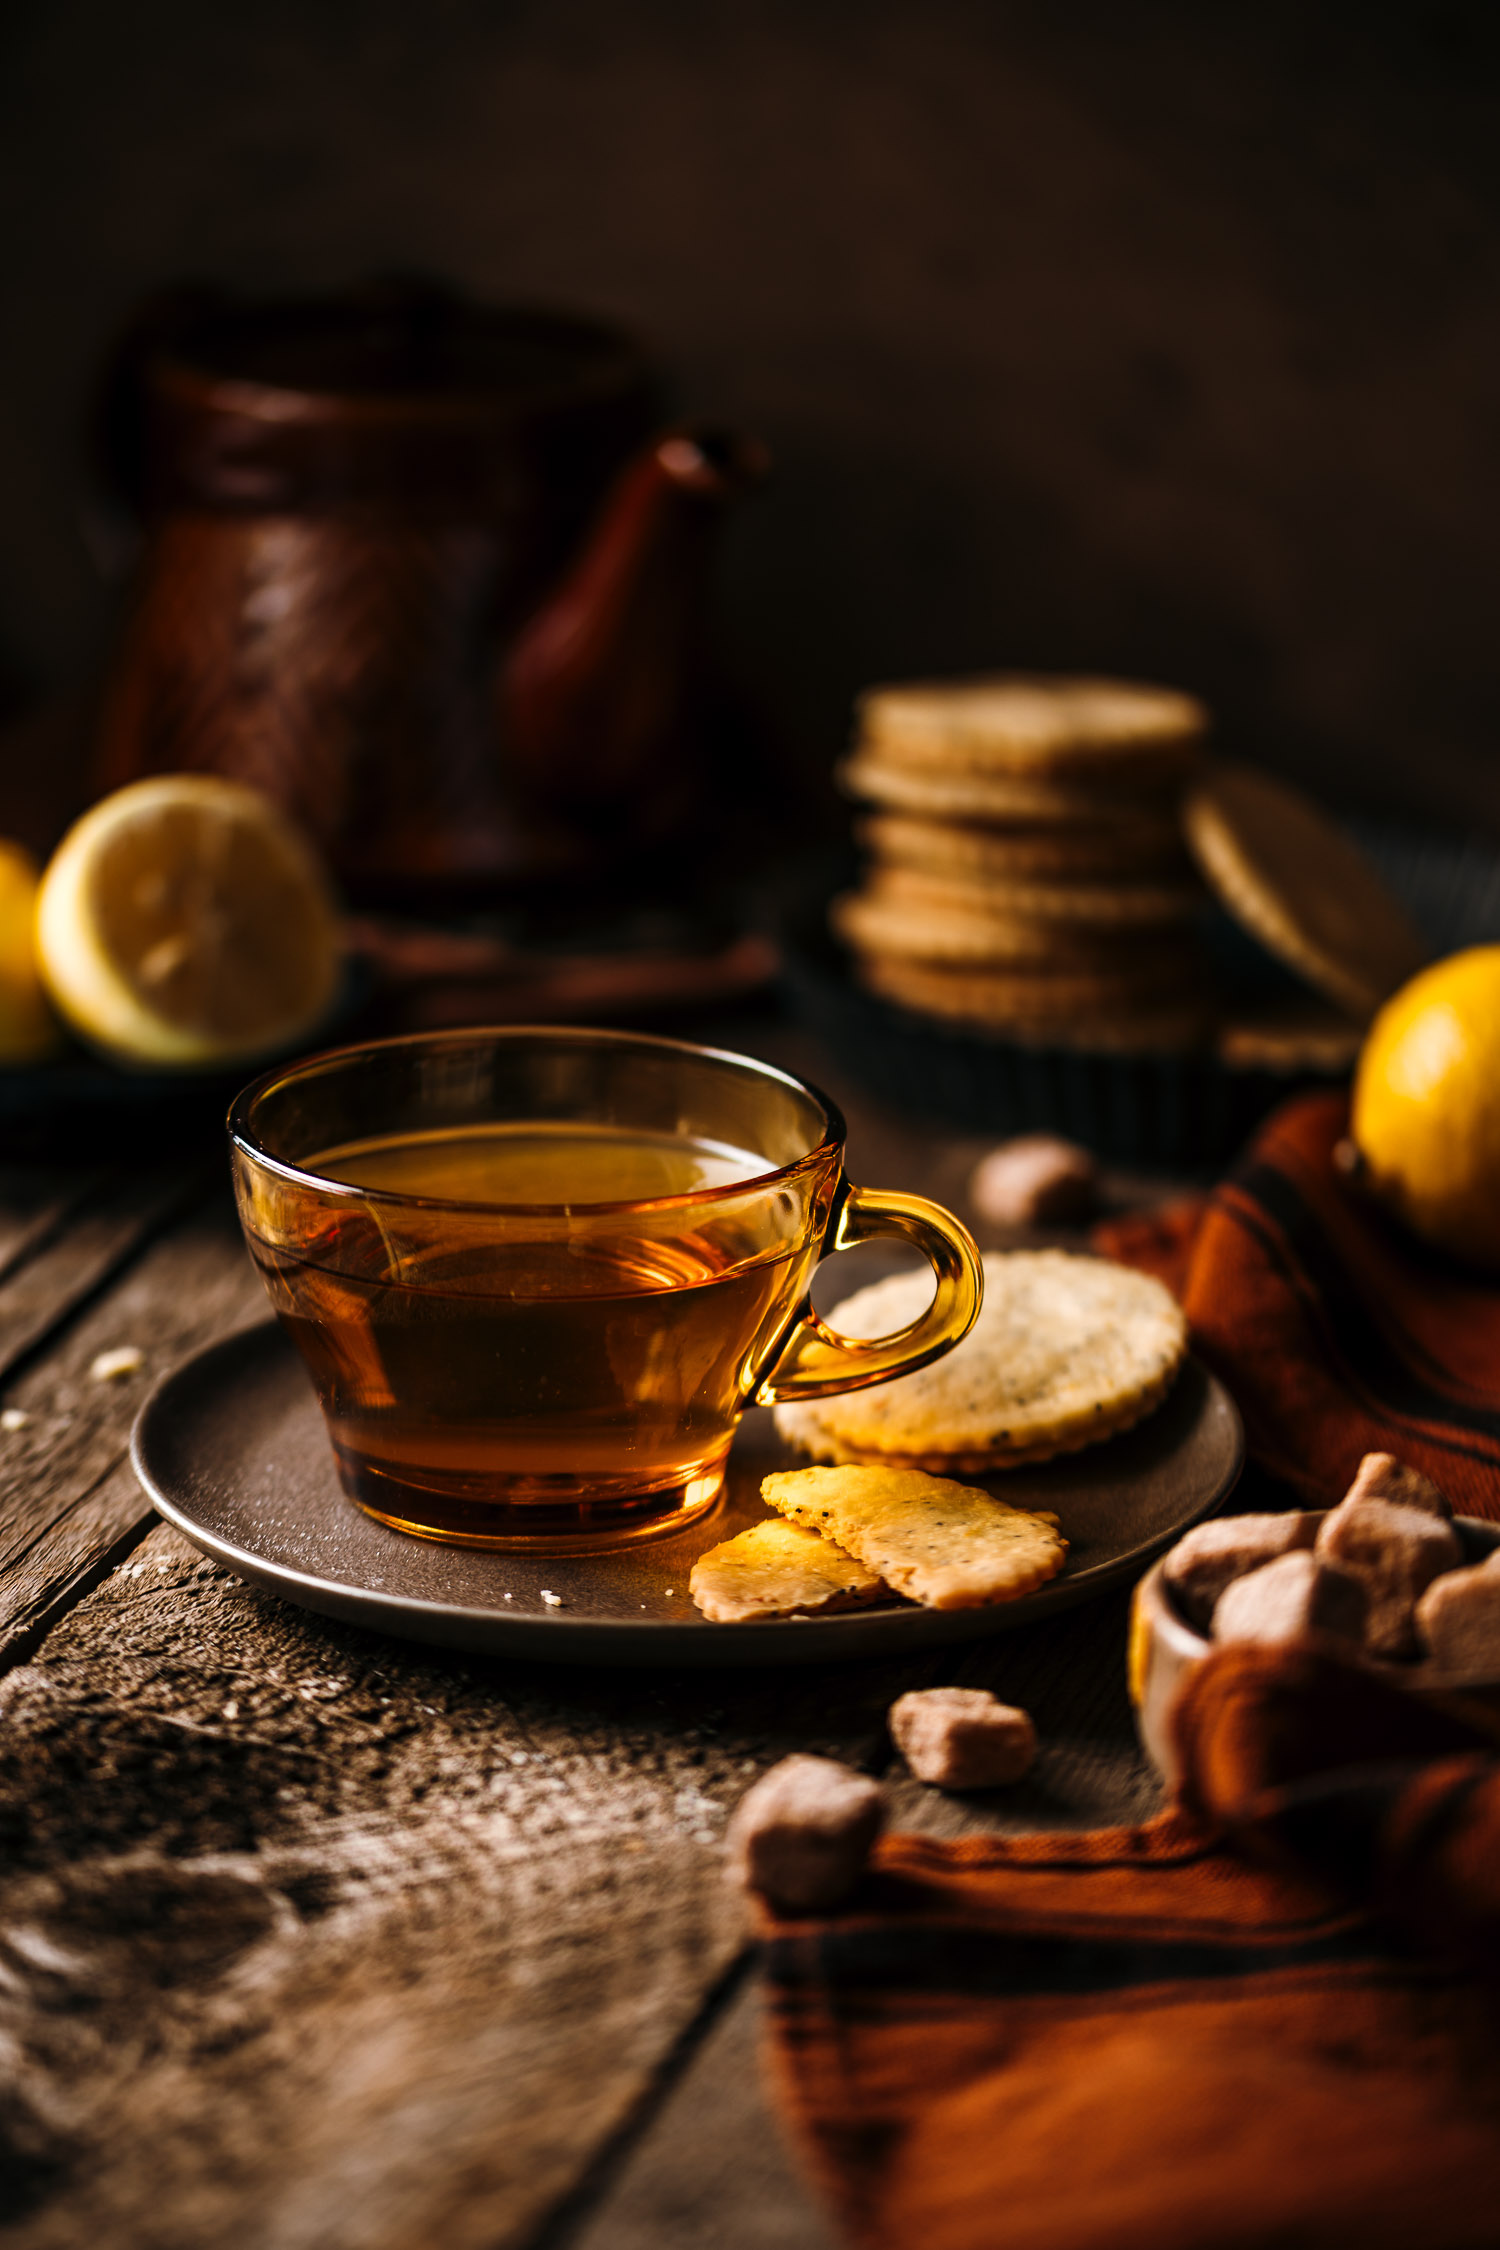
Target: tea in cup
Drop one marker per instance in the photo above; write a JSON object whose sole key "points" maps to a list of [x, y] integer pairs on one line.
{"points": [[537, 1276]]}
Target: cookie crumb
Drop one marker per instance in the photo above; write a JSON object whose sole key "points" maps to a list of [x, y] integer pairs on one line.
{"points": [[14, 1418], [111, 1366], [553, 1601]]}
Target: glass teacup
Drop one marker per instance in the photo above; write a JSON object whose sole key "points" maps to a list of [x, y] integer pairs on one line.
{"points": [[538, 1275]]}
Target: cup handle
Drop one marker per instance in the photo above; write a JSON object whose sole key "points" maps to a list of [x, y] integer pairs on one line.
{"points": [[816, 1361]]}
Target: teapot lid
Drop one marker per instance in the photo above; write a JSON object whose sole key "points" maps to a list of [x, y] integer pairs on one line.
{"points": [[399, 392]]}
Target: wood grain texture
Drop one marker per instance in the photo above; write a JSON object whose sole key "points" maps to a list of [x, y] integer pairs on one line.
{"points": [[68, 1504], [1069, 1673], [712, 2163], [314, 1940], [35, 1200], [715, 2166], [57, 1266]]}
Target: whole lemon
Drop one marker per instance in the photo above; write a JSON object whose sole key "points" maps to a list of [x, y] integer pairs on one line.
{"points": [[28, 1028], [1426, 1117]]}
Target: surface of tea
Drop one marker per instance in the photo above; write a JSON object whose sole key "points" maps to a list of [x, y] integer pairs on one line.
{"points": [[564, 1165], [512, 1372]]}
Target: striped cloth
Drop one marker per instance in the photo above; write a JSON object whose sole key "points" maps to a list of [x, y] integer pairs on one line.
{"points": [[1336, 1332], [1269, 2020]]}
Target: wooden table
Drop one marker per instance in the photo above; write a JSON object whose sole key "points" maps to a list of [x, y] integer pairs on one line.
{"points": [[311, 1940]]}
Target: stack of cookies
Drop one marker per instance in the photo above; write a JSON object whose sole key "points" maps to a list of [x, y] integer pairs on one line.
{"points": [[1025, 864]]}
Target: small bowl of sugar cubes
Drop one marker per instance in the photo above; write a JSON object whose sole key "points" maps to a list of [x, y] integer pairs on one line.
{"points": [[1390, 1577]]}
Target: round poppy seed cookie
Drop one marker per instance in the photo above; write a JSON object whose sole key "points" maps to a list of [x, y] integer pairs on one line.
{"points": [[1066, 1350]]}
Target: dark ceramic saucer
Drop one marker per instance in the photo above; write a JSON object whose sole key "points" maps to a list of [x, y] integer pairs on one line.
{"points": [[231, 1449]]}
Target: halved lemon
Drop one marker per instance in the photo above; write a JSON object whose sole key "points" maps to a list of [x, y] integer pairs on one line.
{"points": [[185, 922], [28, 1028]]}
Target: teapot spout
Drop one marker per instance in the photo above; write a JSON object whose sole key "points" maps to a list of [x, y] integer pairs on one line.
{"points": [[599, 695]]}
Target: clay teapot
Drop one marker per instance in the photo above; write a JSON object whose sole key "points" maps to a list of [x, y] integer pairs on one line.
{"points": [[421, 570]]}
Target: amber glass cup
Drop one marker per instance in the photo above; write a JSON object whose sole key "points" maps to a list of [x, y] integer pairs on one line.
{"points": [[538, 1275]]}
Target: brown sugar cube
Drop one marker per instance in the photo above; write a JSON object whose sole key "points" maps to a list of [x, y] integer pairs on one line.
{"points": [[1289, 1598], [1207, 1558], [1395, 1553], [1035, 1180], [802, 1835], [1458, 1620], [1381, 1476], [962, 1738]]}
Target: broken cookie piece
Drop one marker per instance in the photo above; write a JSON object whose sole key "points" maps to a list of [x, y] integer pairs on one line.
{"points": [[779, 1569], [947, 1545], [802, 1835], [1381, 1476], [1210, 1556], [1290, 1598], [1458, 1620], [1395, 1552], [962, 1738]]}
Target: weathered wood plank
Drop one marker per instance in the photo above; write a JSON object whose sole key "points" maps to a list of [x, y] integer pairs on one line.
{"points": [[712, 2163], [68, 1557], [101, 1234], [65, 1508], [35, 1201], [430, 1930], [1069, 1673], [309, 1938], [427, 1929], [715, 2166]]}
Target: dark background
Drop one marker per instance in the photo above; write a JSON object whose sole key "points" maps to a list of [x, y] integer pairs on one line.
{"points": [[1156, 338]]}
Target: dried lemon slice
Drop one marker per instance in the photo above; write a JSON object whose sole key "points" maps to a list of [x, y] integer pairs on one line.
{"points": [[185, 922]]}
